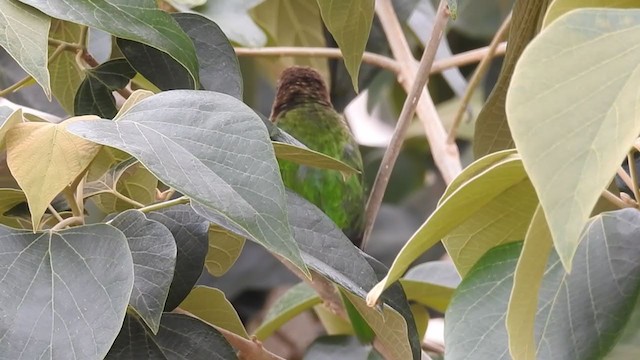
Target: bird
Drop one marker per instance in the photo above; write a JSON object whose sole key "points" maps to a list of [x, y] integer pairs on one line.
{"points": [[302, 108]]}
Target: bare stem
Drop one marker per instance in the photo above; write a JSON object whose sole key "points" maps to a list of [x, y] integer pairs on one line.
{"points": [[614, 199], [478, 74], [448, 161], [625, 177], [69, 195], [128, 200], [68, 221], [466, 58], [55, 213], [165, 204], [15, 87], [633, 171]]}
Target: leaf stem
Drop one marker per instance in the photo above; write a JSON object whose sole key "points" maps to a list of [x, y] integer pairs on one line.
{"points": [[625, 177], [633, 171], [68, 221], [69, 195], [477, 76], [448, 160], [128, 200], [15, 87], [614, 199], [165, 204], [55, 213]]}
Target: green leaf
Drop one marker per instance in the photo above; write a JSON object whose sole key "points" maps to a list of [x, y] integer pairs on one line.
{"points": [[141, 21], [558, 8], [503, 179], [224, 249], [431, 284], [350, 23], [219, 66], [190, 233], [491, 130], [44, 158], [154, 258], [344, 346], [214, 149], [294, 301], [8, 118], [63, 292], [94, 96], [573, 135], [600, 292], [528, 275], [25, 33], [10, 198], [628, 346], [234, 20], [180, 337], [212, 306], [66, 74], [306, 156], [293, 23]]}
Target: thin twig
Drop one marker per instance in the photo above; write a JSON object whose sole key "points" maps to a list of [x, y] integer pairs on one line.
{"points": [[331, 53], [249, 349], [477, 76], [466, 58], [614, 199], [15, 87], [633, 171], [55, 213], [625, 177], [69, 195], [128, 200], [164, 204], [392, 28]]}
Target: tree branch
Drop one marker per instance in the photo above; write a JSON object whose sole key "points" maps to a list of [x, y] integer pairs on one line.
{"points": [[413, 79]]}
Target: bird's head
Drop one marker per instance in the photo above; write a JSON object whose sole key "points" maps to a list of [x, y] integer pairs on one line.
{"points": [[298, 85]]}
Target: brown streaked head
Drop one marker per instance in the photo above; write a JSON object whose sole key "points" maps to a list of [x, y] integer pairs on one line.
{"points": [[298, 85]]}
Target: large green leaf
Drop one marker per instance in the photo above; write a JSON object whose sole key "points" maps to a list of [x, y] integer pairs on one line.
{"points": [[95, 94], [579, 315], [141, 21], [180, 337], [491, 129], [234, 19], [349, 22], [295, 300], [214, 149], [25, 31], [469, 201], [573, 113], [154, 258], [190, 233], [219, 67], [62, 292]]}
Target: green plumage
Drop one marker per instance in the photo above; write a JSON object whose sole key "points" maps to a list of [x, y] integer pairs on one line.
{"points": [[310, 118]]}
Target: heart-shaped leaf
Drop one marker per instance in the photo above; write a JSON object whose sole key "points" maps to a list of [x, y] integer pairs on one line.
{"points": [[210, 305], [94, 96]]}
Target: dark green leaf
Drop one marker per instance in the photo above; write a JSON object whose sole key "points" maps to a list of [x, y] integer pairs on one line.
{"points": [[62, 292], [332, 347], [212, 148], [94, 96], [580, 315], [219, 67], [190, 233], [180, 337], [139, 21], [154, 258]]}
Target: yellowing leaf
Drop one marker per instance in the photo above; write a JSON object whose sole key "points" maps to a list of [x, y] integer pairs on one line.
{"points": [[15, 117], [573, 113], [523, 304], [44, 158], [133, 99], [210, 305], [66, 74], [224, 249], [350, 23]]}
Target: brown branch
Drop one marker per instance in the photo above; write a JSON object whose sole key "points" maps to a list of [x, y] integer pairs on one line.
{"points": [[413, 79]]}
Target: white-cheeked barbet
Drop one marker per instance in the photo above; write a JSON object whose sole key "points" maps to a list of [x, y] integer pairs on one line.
{"points": [[303, 109]]}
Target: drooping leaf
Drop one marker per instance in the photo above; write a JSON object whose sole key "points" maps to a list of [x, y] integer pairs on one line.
{"points": [[63, 292], [224, 249], [306, 156], [567, 122], [293, 23], [66, 73], [492, 130], [180, 337], [44, 158], [219, 67], [210, 305], [527, 278], [558, 8], [349, 22], [466, 202], [220, 156], [154, 258], [294, 301], [431, 284], [233, 18], [94, 96], [190, 233], [25, 32], [141, 21], [600, 292]]}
